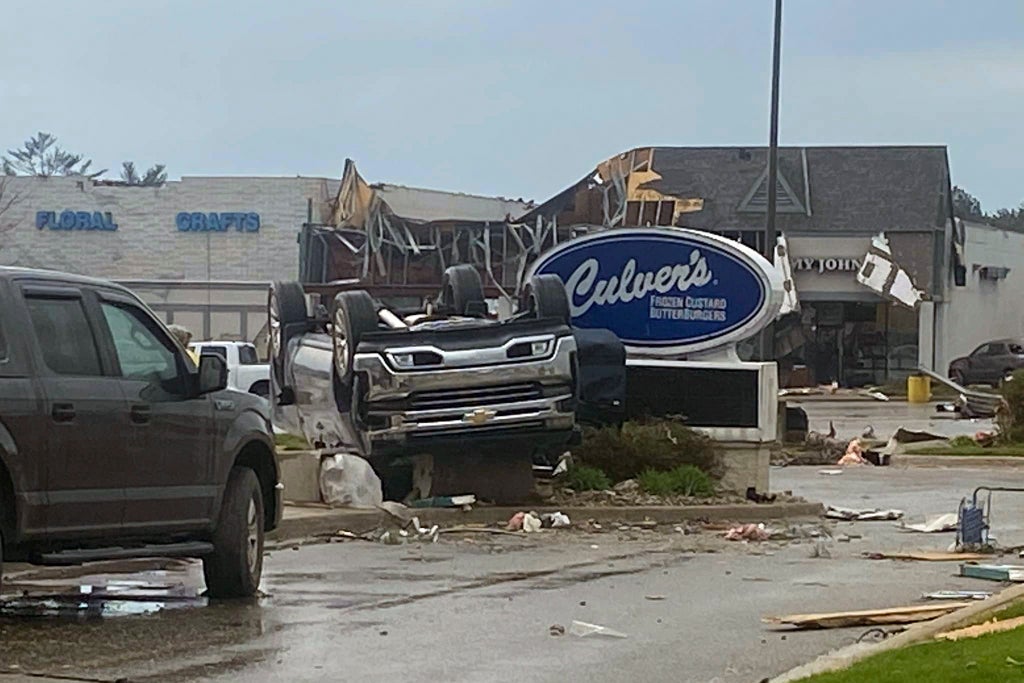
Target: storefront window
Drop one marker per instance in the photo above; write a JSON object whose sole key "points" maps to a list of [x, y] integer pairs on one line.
{"points": [[854, 344]]}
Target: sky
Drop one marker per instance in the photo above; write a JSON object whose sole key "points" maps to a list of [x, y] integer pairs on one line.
{"points": [[518, 98]]}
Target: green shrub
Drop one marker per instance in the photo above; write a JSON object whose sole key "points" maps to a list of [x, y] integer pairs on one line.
{"points": [[584, 478], [659, 445], [685, 480], [1010, 416], [962, 442]]}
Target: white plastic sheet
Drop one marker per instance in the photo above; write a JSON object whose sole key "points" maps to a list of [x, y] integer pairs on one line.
{"points": [[347, 480]]}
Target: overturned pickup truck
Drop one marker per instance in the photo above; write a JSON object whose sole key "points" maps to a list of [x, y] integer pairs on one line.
{"points": [[451, 379]]}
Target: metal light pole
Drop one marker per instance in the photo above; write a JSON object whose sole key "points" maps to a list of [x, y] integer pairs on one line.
{"points": [[770, 234]]}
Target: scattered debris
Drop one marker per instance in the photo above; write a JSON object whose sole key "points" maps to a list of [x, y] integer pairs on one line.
{"points": [[516, 522], [583, 629], [445, 502], [928, 556], [868, 433], [958, 595], [992, 626], [554, 520], [903, 438], [820, 551], [830, 473], [755, 497], [627, 486], [878, 396], [654, 597], [934, 524], [854, 454], [894, 615], [531, 523], [748, 532], [479, 530], [556, 630], [993, 572], [864, 515]]}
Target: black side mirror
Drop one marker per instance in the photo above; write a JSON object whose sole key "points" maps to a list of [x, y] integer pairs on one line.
{"points": [[213, 374]]}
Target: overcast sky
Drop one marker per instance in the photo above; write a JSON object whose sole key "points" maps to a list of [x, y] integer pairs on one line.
{"points": [[516, 97]]}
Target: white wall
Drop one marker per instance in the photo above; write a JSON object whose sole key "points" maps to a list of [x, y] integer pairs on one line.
{"points": [[984, 309], [147, 243]]}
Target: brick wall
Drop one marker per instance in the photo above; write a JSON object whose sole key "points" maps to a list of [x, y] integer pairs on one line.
{"points": [[147, 243]]}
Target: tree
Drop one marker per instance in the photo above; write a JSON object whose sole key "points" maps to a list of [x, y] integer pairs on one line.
{"points": [[42, 156], [155, 176], [9, 198], [1008, 219], [966, 205]]}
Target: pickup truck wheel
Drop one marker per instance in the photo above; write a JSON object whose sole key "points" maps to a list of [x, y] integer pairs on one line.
{"points": [[355, 314], [1, 563], [545, 297], [461, 288], [286, 306], [236, 565]]}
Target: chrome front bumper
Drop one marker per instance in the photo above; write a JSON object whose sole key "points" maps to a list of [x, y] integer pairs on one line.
{"points": [[490, 400]]}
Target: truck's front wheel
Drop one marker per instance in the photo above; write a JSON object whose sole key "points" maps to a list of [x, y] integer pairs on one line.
{"points": [[236, 565]]}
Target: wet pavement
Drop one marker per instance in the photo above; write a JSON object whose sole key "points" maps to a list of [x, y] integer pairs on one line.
{"points": [[851, 418], [480, 608]]}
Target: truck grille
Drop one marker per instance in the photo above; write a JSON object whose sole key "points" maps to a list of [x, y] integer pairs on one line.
{"points": [[471, 398]]}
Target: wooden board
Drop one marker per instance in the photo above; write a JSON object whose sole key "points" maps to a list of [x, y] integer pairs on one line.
{"points": [[982, 629], [993, 572], [929, 556], [871, 617]]}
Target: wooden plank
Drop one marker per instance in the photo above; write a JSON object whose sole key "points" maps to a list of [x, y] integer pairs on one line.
{"points": [[929, 556], [894, 615], [982, 629]]}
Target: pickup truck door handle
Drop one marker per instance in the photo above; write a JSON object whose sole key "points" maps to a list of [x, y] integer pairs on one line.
{"points": [[140, 414], [63, 412]]}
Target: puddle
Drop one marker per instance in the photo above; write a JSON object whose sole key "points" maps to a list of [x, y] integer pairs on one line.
{"points": [[98, 599]]}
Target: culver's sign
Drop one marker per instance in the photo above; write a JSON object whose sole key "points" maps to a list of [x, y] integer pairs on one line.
{"points": [[666, 290]]}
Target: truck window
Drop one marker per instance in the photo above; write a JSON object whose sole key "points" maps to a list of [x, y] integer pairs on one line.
{"points": [[140, 352], [247, 355], [64, 336], [218, 351]]}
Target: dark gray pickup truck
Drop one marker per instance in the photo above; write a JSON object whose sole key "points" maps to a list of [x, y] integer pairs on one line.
{"points": [[113, 444]]}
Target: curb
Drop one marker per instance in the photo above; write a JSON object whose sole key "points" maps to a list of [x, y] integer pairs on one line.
{"points": [[312, 521], [957, 461], [846, 657]]}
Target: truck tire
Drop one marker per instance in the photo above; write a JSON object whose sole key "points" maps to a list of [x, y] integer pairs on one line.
{"points": [[461, 288], [545, 297], [1, 562], [354, 315], [286, 306], [236, 565]]}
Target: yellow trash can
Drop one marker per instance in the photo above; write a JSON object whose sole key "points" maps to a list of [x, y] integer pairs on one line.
{"points": [[919, 389]]}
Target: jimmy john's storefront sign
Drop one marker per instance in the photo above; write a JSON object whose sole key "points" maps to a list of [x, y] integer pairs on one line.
{"points": [[666, 291], [833, 264]]}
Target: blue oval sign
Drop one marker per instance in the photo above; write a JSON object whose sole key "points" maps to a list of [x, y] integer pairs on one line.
{"points": [[666, 290]]}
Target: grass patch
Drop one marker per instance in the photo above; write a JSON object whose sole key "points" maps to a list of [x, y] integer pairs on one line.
{"points": [[967, 661], [685, 480], [1007, 450], [586, 478], [660, 445], [290, 442]]}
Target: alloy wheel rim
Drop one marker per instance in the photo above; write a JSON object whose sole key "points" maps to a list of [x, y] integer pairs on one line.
{"points": [[253, 537]]}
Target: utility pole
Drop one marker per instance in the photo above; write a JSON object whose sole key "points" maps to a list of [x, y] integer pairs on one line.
{"points": [[770, 233]]}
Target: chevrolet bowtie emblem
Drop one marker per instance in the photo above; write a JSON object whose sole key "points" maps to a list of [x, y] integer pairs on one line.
{"points": [[479, 416]]}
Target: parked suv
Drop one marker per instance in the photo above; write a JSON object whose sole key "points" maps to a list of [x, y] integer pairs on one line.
{"points": [[113, 444]]}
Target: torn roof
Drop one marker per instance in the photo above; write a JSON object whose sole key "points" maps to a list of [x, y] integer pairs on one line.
{"points": [[358, 201], [421, 205], [855, 188]]}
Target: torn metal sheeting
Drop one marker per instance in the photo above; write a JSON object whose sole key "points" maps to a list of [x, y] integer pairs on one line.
{"points": [[993, 572], [874, 617], [881, 274], [862, 515], [958, 595], [933, 524]]}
